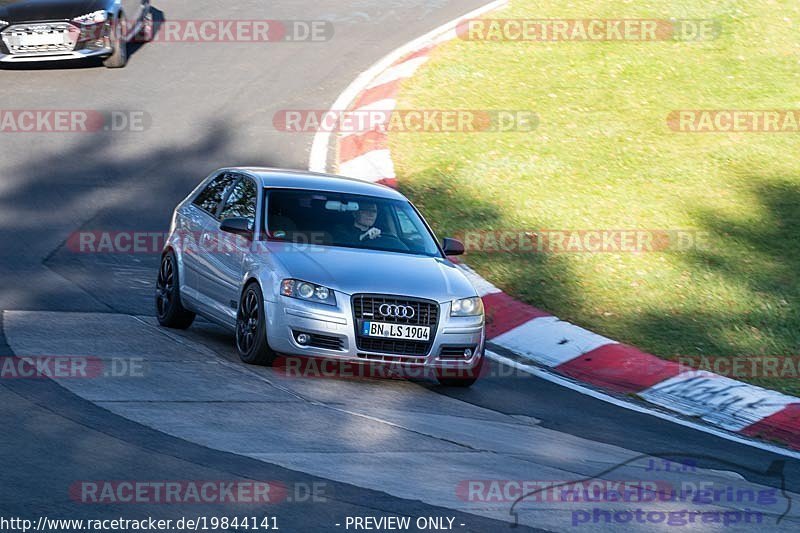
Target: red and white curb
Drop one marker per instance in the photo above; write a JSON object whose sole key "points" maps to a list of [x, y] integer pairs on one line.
{"points": [[533, 334]]}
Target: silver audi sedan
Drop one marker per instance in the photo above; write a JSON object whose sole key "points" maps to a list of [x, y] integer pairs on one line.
{"points": [[304, 264]]}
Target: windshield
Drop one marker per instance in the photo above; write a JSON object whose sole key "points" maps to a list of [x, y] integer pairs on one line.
{"points": [[347, 220]]}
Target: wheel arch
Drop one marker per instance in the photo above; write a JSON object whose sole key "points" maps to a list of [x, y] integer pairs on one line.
{"points": [[249, 280], [169, 247], [266, 277]]}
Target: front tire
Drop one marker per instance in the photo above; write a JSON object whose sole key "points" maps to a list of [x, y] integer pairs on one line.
{"points": [[251, 328], [119, 42], [169, 309]]}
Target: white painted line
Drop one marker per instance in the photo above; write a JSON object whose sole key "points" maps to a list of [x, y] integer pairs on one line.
{"points": [[719, 400], [387, 104], [376, 122], [564, 382], [318, 158], [372, 166], [449, 35], [550, 341], [398, 72]]}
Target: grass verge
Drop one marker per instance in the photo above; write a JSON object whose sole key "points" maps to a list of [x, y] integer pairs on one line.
{"points": [[603, 157]]}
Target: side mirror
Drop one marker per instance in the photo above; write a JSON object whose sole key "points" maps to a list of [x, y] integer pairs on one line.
{"points": [[453, 247], [238, 226]]}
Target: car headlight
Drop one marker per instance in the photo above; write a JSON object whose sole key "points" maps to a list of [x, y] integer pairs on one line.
{"points": [[467, 307], [303, 290], [97, 17], [3, 24]]}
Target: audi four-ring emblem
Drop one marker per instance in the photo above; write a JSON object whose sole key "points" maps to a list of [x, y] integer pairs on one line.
{"points": [[396, 311]]}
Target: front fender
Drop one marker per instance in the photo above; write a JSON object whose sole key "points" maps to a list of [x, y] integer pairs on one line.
{"points": [[266, 271]]}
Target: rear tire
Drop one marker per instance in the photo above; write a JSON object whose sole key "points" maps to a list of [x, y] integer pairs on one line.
{"points": [[119, 42], [169, 309], [251, 328], [462, 378]]}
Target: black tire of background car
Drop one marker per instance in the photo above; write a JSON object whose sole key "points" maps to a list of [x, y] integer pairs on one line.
{"points": [[119, 42]]}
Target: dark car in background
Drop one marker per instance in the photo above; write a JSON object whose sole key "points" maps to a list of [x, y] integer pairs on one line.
{"points": [[55, 30]]}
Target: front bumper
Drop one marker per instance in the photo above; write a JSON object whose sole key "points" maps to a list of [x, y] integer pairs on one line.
{"points": [[66, 41], [55, 56], [287, 317]]}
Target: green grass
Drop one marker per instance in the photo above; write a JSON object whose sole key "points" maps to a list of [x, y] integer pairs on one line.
{"points": [[604, 157]]}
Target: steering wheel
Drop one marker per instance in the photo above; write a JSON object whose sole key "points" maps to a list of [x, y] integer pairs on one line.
{"points": [[396, 242]]}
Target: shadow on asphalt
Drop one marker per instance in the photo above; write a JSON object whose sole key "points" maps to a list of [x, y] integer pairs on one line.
{"points": [[110, 192]]}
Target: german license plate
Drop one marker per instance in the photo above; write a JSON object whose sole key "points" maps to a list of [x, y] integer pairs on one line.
{"points": [[395, 331], [40, 38]]}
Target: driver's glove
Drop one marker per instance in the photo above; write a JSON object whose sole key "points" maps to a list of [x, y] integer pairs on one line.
{"points": [[371, 233]]}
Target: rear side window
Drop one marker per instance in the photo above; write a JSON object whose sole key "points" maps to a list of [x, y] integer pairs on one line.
{"points": [[241, 201], [209, 199]]}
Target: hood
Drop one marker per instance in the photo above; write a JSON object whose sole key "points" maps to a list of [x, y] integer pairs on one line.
{"points": [[13, 11], [351, 271]]}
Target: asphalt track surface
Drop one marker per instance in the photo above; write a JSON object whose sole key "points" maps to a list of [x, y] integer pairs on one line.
{"points": [[375, 447]]}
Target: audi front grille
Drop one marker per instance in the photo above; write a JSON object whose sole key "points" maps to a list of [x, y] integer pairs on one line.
{"points": [[425, 313], [55, 37]]}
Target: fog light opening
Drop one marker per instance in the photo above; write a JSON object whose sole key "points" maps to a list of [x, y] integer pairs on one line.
{"points": [[467, 353], [303, 338]]}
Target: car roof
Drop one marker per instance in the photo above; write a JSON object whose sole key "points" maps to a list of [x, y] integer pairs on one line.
{"points": [[300, 179]]}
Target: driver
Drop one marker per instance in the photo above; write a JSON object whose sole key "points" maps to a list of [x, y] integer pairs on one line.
{"points": [[363, 227]]}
